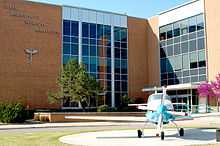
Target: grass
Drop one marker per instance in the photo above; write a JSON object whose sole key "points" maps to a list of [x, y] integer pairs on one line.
{"points": [[33, 139]]}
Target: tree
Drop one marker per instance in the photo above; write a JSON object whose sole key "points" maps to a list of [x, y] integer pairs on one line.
{"points": [[76, 84], [211, 89]]}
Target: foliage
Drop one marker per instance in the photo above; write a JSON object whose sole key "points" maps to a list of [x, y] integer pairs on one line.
{"points": [[211, 89], [125, 100], [75, 83], [12, 112], [103, 108]]}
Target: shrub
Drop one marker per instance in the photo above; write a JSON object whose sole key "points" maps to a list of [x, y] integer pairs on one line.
{"points": [[12, 112], [103, 108]]}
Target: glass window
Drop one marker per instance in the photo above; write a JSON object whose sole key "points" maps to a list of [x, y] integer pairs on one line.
{"points": [[124, 66], [200, 33], [186, 73], [66, 39], [92, 41], [107, 32], [176, 39], [201, 43], [92, 30], [117, 65], [85, 41], [85, 50], [177, 49], [124, 45], [66, 59], [117, 34], [123, 34], [194, 79], [66, 48], [117, 44], [169, 31], [163, 65], [66, 27], [92, 50], [178, 63], [202, 78], [202, 71], [184, 27], [124, 86], [162, 52], [185, 61], [123, 54], [85, 29], [184, 47], [192, 24], [170, 42], [108, 52], [200, 22], [169, 64], [92, 64], [176, 29], [74, 40], [193, 60], [74, 28], [202, 62], [192, 45], [117, 53], [184, 37], [74, 49], [192, 35], [100, 31], [163, 33], [194, 72], [85, 61], [170, 50]]}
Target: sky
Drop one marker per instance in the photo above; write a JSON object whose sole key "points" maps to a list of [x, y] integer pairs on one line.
{"points": [[136, 8]]}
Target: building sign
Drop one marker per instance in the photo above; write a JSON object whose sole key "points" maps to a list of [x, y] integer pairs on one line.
{"points": [[29, 19]]}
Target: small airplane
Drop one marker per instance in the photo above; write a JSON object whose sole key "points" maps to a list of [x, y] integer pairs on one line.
{"points": [[160, 111]]}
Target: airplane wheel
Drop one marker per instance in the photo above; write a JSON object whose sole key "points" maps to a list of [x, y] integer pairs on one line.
{"points": [[181, 132], [139, 133], [162, 135]]}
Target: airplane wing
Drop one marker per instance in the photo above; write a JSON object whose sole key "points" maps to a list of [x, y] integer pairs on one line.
{"points": [[183, 118], [140, 106]]}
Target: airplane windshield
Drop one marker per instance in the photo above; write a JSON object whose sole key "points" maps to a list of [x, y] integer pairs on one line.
{"points": [[157, 97]]}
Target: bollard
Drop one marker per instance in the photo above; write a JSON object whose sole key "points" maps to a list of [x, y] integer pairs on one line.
{"points": [[218, 135]]}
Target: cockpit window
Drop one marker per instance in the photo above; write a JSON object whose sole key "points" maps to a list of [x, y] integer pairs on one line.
{"points": [[157, 97]]}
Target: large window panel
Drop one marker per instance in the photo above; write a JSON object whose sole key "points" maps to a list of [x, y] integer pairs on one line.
{"points": [[201, 43], [184, 27], [66, 27], [123, 34], [176, 28], [92, 30], [74, 49], [192, 45], [200, 22], [163, 35], [163, 65], [169, 31], [100, 31], [185, 61], [117, 34], [193, 60], [184, 47], [85, 29], [66, 48], [74, 28], [202, 62], [85, 50], [192, 24]]}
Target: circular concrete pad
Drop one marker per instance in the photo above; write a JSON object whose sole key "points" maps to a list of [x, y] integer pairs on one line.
{"points": [[129, 137]]}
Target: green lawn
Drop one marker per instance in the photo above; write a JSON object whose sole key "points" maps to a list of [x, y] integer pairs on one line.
{"points": [[33, 139]]}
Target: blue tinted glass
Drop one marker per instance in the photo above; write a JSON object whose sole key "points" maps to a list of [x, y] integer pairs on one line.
{"points": [[124, 86], [66, 39], [108, 52], [109, 65], [123, 54], [66, 27], [85, 29], [66, 59], [117, 53], [117, 86], [117, 44], [74, 28], [85, 50], [124, 45], [117, 66], [74, 40], [124, 77], [92, 64], [85, 61], [123, 34], [74, 58], [163, 65], [107, 32], [92, 41], [74, 49], [85, 41], [66, 48], [117, 34], [92, 50], [92, 30], [100, 31], [124, 66]]}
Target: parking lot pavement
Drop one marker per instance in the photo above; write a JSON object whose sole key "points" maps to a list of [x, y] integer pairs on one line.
{"points": [[129, 137]]}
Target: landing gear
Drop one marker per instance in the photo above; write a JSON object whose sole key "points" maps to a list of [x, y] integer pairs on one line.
{"points": [[162, 135], [140, 133], [181, 132]]}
